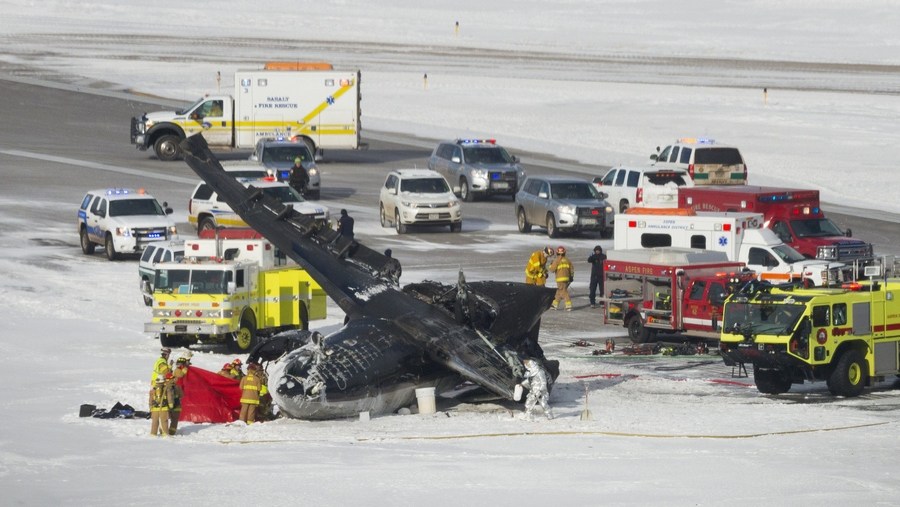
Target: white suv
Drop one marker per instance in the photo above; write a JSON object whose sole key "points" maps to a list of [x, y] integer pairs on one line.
{"points": [[418, 197], [708, 162], [207, 211], [123, 220], [642, 186]]}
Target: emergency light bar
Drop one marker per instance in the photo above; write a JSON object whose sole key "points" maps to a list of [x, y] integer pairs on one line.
{"points": [[476, 141], [122, 191], [696, 140]]}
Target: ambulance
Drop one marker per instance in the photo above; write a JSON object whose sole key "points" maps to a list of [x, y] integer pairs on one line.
{"points": [[231, 290], [849, 336], [669, 290], [312, 103], [794, 215], [739, 235]]}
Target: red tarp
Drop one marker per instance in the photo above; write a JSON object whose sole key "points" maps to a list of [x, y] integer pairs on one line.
{"points": [[210, 397]]}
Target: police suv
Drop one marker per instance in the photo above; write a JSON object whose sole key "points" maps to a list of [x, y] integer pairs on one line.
{"points": [[123, 220]]}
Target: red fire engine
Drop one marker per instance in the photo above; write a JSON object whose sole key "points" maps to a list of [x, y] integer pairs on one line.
{"points": [[669, 290]]}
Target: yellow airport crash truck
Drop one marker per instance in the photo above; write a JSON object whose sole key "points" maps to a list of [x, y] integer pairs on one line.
{"points": [[849, 336], [232, 290]]}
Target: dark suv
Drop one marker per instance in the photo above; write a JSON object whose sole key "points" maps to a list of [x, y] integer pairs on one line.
{"points": [[477, 168], [563, 204]]}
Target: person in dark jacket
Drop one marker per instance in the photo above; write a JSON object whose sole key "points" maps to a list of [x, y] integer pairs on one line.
{"points": [[299, 179], [345, 225], [596, 261]]}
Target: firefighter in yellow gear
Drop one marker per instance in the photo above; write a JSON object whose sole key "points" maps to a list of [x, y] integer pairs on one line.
{"points": [[162, 399], [252, 389], [536, 269], [178, 376], [161, 367], [565, 272]]}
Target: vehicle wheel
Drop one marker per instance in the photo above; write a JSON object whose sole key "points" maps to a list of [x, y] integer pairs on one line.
{"points": [[86, 245], [850, 375], [171, 340], [400, 226], [636, 330], [552, 231], [167, 149], [245, 338], [464, 191], [524, 226], [207, 224], [456, 227], [111, 253], [770, 381], [381, 213]]}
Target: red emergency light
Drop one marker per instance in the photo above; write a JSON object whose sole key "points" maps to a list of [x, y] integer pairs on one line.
{"points": [[726, 227], [632, 223]]}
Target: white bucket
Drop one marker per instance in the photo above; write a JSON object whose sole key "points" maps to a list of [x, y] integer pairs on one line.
{"points": [[425, 398]]}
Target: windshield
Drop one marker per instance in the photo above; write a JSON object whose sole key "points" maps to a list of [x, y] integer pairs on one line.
{"points": [[283, 193], [788, 254], [286, 153], [761, 318], [815, 228], [573, 190], [192, 106], [487, 155], [130, 207], [424, 186], [192, 281]]}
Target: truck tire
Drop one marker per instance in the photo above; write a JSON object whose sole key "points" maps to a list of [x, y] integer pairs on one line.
{"points": [[87, 246], [171, 340], [552, 231], [850, 375], [522, 221], [465, 193], [245, 337], [166, 148], [771, 381], [206, 224], [400, 226], [110, 248], [636, 330]]}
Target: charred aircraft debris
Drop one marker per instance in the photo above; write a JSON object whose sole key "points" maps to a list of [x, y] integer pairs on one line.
{"points": [[394, 340]]}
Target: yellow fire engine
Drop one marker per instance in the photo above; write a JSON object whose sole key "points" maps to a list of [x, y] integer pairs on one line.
{"points": [[848, 337], [232, 291]]}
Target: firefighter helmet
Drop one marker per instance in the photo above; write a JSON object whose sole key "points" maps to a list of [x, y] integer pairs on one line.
{"points": [[560, 250], [237, 361], [165, 351], [227, 366], [548, 250]]}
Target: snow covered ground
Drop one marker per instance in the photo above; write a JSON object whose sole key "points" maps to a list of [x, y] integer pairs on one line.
{"points": [[603, 82]]}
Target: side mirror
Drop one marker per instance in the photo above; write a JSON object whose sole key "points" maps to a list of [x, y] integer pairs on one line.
{"points": [[319, 156], [603, 195], [392, 191], [254, 158], [848, 233], [145, 288], [653, 156], [543, 195], [232, 287], [455, 160], [515, 159]]}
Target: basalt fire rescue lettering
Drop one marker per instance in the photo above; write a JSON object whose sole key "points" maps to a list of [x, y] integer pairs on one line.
{"points": [[277, 103]]}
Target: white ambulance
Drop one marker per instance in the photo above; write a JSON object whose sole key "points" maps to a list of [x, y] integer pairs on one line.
{"points": [[740, 235], [319, 106]]}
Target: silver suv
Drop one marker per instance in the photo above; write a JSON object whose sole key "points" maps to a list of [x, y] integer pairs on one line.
{"points": [[123, 221], [563, 204], [278, 153], [477, 168]]}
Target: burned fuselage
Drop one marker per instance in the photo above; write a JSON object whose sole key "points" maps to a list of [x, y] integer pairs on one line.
{"points": [[428, 334]]}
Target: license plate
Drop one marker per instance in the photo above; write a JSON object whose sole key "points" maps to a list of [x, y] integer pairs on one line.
{"points": [[500, 184], [589, 221], [434, 216], [180, 328]]}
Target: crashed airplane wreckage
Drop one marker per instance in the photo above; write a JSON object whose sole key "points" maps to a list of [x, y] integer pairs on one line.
{"points": [[425, 335]]}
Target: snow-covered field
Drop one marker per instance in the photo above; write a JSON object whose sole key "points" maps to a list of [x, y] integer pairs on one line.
{"points": [[566, 77]]}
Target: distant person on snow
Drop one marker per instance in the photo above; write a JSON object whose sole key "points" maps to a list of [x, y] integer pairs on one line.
{"points": [[162, 399], [299, 179], [565, 273], [345, 225], [252, 389], [536, 269], [596, 261]]}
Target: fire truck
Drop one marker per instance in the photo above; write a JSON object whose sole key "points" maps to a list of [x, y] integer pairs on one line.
{"points": [[669, 290], [740, 235], [230, 290], [849, 337], [310, 102], [793, 214]]}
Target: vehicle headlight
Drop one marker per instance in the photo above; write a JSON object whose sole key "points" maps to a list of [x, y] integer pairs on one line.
{"points": [[568, 210], [162, 313], [123, 231], [453, 204], [408, 204], [827, 252], [313, 171], [522, 174], [479, 173], [173, 230], [609, 210]]}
